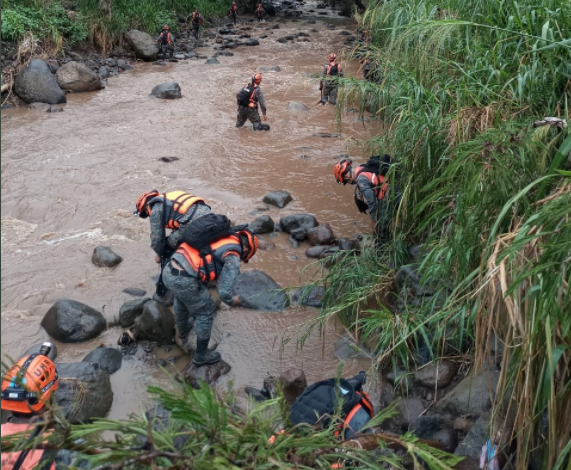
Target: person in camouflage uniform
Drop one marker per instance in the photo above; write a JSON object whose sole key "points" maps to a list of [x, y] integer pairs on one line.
{"points": [[328, 86], [250, 112]]}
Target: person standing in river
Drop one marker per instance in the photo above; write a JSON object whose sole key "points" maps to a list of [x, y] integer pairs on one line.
{"points": [[233, 12], [166, 42], [187, 275], [197, 21], [249, 98], [329, 85], [260, 13]]}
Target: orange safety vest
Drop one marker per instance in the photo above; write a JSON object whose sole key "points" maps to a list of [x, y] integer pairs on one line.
{"points": [[176, 204], [260, 9], [168, 37], [207, 266], [196, 16], [254, 97], [233, 8], [330, 66], [378, 182], [34, 457]]}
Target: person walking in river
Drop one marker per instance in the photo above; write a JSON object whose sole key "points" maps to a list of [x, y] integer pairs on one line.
{"points": [[187, 275], [328, 86], [260, 13], [249, 99], [166, 42], [372, 192], [233, 12], [197, 21]]}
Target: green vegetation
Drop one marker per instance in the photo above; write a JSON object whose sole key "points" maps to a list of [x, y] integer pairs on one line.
{"points": [[100, 21], [458, 87]]}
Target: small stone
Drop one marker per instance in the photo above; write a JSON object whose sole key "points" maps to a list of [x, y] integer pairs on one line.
{"points": [[266, 69], [55, 109], [167, 91], [315, 251], [263, 224], [39, 106], [209, 374], [299, 234], [108, 359], [321, 235], [326, 134], [293, 383], [296, 107], [293, 242], [104, 256], [212, 61], [168, 159], [263, 207], [278, 198], [130, 310], [438, 375]]}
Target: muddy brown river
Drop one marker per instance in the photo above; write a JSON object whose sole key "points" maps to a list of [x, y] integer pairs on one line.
{"points": [[70, 180]]}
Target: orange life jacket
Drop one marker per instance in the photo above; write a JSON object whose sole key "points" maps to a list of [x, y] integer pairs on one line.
{"points": [[33, 458], [208, 266], [233, 8], [335, 71], [357, 417], [260, 9], [168, 37], [176, 205], [377, 181], [196, 18], [254, 97]]}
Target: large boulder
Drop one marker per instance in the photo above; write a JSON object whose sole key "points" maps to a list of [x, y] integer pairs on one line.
{"points": [[321, 235], [104, 256], [167, 91], [438, 375], [209, 374], [36, 83], [156, 323], [130, 310], [259, 291], [263, 224], [109, 359], [69, 321], [278, 198], [296, 107], [78, 77], [472, 395], [291, 222], [143, 44], [84, 391]]}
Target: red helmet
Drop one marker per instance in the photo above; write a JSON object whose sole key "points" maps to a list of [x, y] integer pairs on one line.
{"points": [[249, 243], [332, 57], [166, 26], [257, 78], [29, 384], [140, 205], [341, 168]]}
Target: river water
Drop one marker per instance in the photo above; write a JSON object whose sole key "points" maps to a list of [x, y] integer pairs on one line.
{"points": [[69, 182]]}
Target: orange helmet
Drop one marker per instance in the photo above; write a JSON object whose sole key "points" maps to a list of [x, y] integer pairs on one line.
{"points": [[257, 78], [332, 57], [249, 243], [142, 202], [341, 168], [29, 384], [166, 26]]}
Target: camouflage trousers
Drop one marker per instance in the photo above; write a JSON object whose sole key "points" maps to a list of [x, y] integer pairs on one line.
{"points": [[329, 93], [246, 113], [193, 305]]}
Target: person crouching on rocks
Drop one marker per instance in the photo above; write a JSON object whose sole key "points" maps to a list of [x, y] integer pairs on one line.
{"points": [[27, 389], [166, 43], [187, 275], [249, 98], [372, 191]]}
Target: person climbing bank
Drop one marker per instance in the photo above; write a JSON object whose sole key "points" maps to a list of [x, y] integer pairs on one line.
{"points": [[328, 86], [166, 42], [249, 98], [197, 21], [372, 193], [187, 275], [27, 389], [260, 13], [233, 12]]}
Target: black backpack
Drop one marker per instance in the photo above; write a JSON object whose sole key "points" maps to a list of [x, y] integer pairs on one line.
{"points": [[243, 96], [206, 230]]}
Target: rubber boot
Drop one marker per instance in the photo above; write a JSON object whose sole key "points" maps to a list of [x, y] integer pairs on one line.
{"points": [[264, 127], [203, 355], [257, 126]]}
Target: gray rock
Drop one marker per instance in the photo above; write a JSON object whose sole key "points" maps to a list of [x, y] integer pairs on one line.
{"points": [[471, 445], [282, 40], [278, 198], [103, 72], [52, 65], [104, 256], [345, 244], [232, 45], [109, 359], [130, 310], [315, 251], [409, 410], [274, 26], [212, 61], [291, 222], [55, 109], [346, 348], [143, 44], [259, 291], [39, 106], [84, 391], [162, 63], [472, 395], [268, 68], [160, 420], [326, 134], [135, 291], [296, 107], [435, 428], [167, 91], [299, 234], [438, 375], [293, 383], [263, 224], [66, 459], [78, 77], [35, 349], [156, 323], [293, 242], [310, 298], [256, 394], [401, 379], [179, 56], [252, 42], [69, 321], [321, 235], [37, 84], [209, 373]]}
